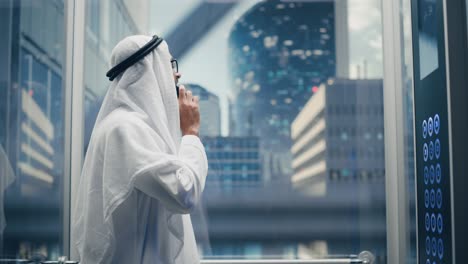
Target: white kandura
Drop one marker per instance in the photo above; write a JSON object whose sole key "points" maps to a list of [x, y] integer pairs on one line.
{"points": [[140, 178]]}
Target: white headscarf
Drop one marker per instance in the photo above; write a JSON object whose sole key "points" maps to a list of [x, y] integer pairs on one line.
{"points": [[147, 91]]}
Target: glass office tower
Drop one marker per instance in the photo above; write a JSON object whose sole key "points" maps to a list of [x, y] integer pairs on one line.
{"points": [[33, 128]]}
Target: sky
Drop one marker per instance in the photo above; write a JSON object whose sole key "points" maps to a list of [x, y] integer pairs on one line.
{"points": [[206, 63]]}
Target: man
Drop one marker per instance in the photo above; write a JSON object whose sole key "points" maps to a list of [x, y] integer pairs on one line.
{"points": [[145, 167]]}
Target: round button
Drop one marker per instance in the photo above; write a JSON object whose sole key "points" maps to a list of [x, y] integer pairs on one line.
{"points": [[428, 222], [433, 198], [434, 247], [426, 175], [433, 223], [436, 124], [438, 172], [426, 198], [437, 148], [432, 174], [425, 152], [428, 245], [440, 248], [430, 126], [439, 198], [440, 224], [424, 129], [431, 150]]}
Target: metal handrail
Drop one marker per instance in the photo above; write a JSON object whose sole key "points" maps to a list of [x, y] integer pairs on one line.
{"points": [[29, 261], [272, 261], [285, 261], [364, 257], [269, 261]]}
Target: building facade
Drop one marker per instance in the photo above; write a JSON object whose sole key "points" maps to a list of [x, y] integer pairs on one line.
{"points": [[338, 137], [210, 111], [234, 162]]}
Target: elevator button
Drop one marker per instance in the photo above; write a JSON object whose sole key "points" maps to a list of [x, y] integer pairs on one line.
{"points": [[434, 247], [436, 124], [424, 129], [428, 245], [439, 198], [425, 151], [440, 247], [440, 224], [437, 148], [432, 174], [426, 175], [430, 126], [438, 172], [433, 198]]}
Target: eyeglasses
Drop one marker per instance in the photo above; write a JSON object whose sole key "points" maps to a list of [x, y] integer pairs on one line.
{"points": [[175, 65]]}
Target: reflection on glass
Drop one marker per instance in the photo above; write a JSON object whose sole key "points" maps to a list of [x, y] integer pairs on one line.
{"points": [[407, 84], [7, 177], [32, 127], [295, 144], [107, 22]]}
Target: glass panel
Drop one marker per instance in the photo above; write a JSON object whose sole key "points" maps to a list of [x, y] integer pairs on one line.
{"points": [[292, 117], [408, 103], [32, 127], [298, 168]]}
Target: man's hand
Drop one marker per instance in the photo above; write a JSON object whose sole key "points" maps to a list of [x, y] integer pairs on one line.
{"points": [[189, 112]]}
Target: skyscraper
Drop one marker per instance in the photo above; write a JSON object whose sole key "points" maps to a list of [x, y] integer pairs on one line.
{"points": [[210, 111], [281, 52], [338, 137], [32, 117], [234, 162]]}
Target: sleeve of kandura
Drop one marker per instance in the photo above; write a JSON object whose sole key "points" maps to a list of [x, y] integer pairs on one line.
{"points": [[177, 180]]}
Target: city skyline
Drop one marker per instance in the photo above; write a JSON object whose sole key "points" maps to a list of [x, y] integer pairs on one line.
{"points": [[211, 52]]}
